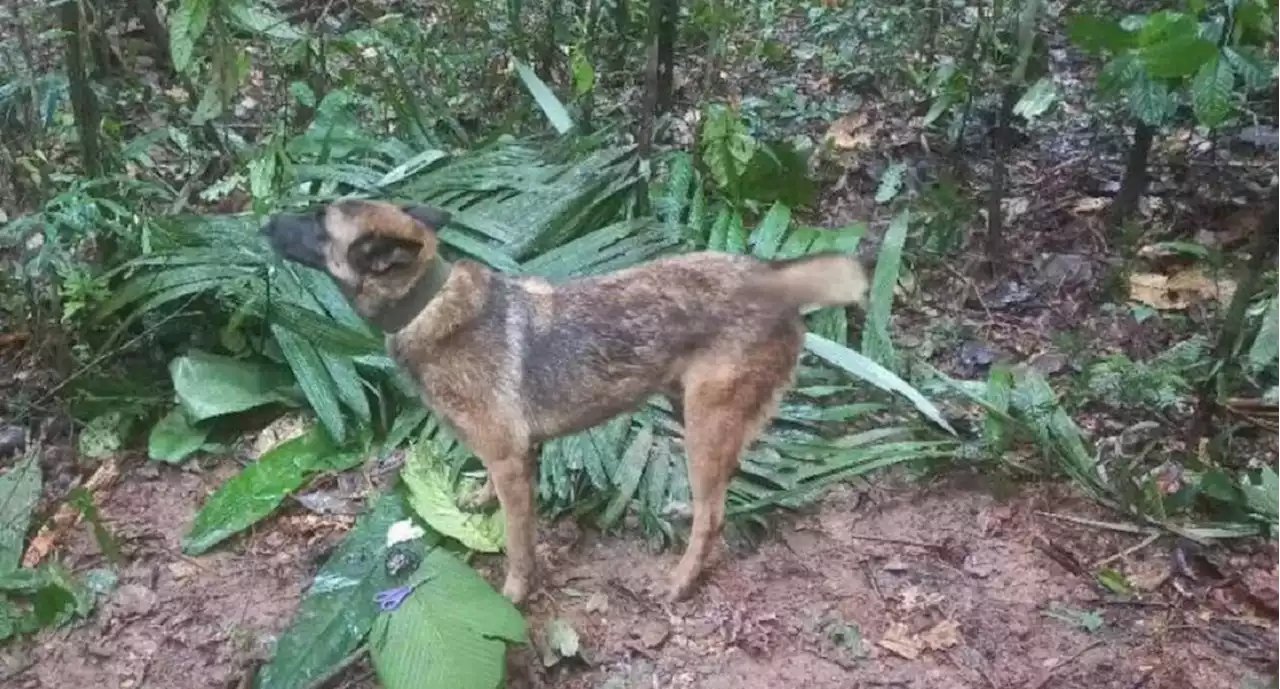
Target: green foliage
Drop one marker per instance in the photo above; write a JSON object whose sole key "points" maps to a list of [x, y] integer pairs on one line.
{"points": [[1156, 59], [1160, 384], [431, 494], [19, 491], [255, 492], [451, 633]]}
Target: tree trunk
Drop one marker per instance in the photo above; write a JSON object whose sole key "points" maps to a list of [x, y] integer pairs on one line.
{"points": [[1135, 176], [1262, 248], [83, 102], [1001, 136], [649, 102], [156, 31], [666, 52]]}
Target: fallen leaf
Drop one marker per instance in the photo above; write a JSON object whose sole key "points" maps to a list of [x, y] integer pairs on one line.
{"points": [[1261, 586], [943, 635], [851, 132], [897, 641], [561, 641], [1015, 207], [1091, 204], [1179, 291]]}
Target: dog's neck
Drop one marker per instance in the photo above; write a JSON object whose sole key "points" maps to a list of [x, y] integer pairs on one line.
{"points": [[402, 311]]}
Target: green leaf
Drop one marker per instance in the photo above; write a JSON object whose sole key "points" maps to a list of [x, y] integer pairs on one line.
{"points": [[1150, 100], [1252, 66], [258, 490], [891, 182], [258, 18], [1037, 100], [1263, 353], [767, 239], [996, 430], [551, 106], [314, 379], [1099, 36], [19, 490], [1178, 57], [1263, 498], [103, 435], [630, 471], [426, 475], [302, 93], [209, 385], [338, 609], [875, 335], [863, 368], [1211, 92], [186, 25], [584, 75], [174, 437], [450, 633]]}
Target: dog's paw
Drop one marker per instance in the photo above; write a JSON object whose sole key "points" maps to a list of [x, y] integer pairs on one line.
{"points": [[516, 589], [680, 586], [480, 498]]}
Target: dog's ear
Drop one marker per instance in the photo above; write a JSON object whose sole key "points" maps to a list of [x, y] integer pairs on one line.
{"points": [[374, 254], [434, 218]]}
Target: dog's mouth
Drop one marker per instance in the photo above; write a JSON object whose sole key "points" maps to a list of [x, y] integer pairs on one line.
{"points": [[299, 238]]}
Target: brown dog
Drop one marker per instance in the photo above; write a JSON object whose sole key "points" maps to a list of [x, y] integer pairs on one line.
{"points": [[512, 361]]}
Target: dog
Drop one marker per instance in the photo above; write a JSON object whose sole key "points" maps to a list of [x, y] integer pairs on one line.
{"points": [[512, 361]]}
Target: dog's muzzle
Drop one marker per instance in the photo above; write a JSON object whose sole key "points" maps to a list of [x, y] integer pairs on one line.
{"points": [[299, 238]]}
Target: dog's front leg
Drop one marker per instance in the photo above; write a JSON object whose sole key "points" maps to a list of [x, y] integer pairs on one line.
{"points": [[512, 479]]}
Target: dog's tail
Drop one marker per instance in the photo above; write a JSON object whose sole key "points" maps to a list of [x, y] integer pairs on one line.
{"points": [[829, 279]]}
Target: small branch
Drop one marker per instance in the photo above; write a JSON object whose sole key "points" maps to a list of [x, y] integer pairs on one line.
{"points": [[1127, 551]]}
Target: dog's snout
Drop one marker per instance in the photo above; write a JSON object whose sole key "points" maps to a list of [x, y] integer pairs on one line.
{"points": [[299, 238]]}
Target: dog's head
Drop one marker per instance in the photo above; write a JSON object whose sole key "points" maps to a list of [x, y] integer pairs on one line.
{"points": [[376, 251]]}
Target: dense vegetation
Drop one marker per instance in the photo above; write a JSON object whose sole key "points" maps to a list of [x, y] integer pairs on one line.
{"points": [[1026, 154]]}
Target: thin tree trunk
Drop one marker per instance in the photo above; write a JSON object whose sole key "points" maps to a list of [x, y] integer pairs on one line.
{"points": [[649, 102], [83, 102], [156, 31], [996, 245], [666, 52], [1262, 249], [621, 22], [1135, 176]]}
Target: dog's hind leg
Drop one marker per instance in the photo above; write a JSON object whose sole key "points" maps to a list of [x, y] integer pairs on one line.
{"points": [[726, 403]]}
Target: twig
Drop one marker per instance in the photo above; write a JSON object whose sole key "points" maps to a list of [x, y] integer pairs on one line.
{"points": [[1127, 551], [1110, 526], [896, 541], [1048, 675]]}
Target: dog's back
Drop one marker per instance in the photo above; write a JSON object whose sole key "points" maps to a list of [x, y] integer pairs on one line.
{"points": [[597, 346]]}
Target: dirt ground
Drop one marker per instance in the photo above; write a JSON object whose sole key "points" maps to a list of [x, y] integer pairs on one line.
{"points": [[936, 584]]}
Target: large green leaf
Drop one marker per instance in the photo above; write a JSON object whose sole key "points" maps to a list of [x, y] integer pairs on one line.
{"points": [[861, 367], [551, 106], [259, 489], [875, 336], [338, 609], [209, 385], [1211, 92], [1100, 36], [450, 633], [313, 377], [427, 477], [174, 437], [1266, 344], [1150, 100], [186, 25], [19, 491]]}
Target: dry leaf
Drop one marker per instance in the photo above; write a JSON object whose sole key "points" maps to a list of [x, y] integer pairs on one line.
{"points": [[1178, 291], [944, 635], [1015, 207], [1091, 204], [897, 641], [850, 133], [913, 599]]}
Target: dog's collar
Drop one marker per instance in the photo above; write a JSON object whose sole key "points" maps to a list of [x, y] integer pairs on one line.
{"points": [[401, 312]]}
